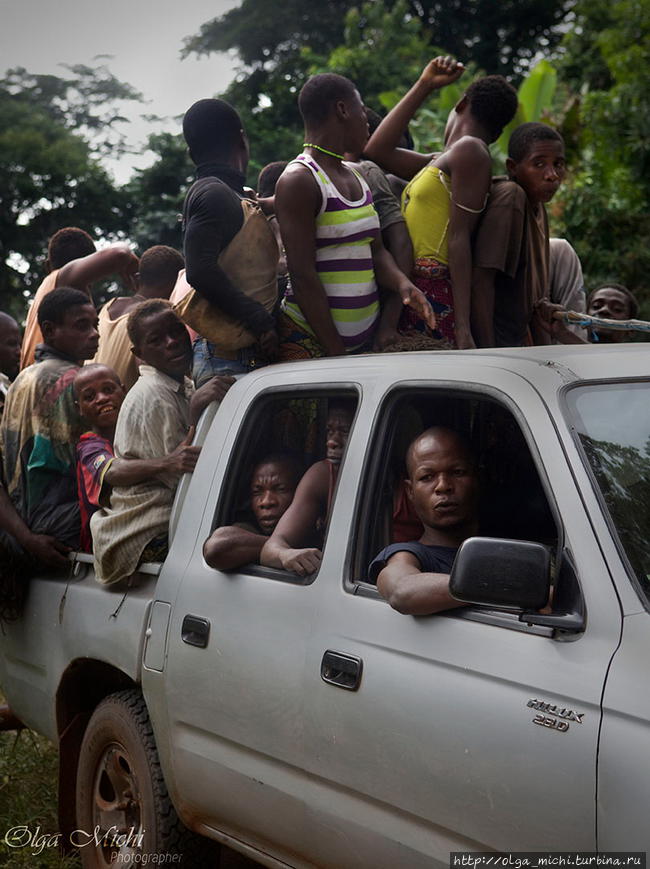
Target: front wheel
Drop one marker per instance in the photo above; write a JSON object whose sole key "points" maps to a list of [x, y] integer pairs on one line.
{"points": [[123, 808]]}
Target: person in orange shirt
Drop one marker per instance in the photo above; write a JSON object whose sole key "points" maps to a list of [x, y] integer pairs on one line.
{"points": [[73, 261]]}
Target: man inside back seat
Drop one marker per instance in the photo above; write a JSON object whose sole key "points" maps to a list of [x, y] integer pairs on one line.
{"points": [[443, 486], [272, 487]]}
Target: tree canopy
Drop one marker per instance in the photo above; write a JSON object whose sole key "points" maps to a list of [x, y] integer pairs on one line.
{"points": [[590, 84], [50, 171]]}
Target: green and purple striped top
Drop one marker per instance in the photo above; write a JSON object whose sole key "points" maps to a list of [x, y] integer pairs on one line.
{"points": [[344, 233]]}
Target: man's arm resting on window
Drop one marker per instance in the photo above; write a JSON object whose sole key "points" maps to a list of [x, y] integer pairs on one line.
{"points": [[230, 547], [411, 592], [285, 548]]}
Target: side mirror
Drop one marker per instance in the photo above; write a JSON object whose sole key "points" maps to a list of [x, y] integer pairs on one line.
{"points": [[508, 574]]}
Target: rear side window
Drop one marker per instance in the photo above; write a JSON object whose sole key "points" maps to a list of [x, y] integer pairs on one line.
{"points": [[285, 436]]}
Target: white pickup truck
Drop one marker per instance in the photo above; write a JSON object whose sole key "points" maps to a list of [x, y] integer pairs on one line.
{"points": [[302, 720]]}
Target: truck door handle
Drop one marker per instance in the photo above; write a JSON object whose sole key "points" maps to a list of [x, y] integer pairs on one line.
{"points": [[341, 670], [195, 631]]}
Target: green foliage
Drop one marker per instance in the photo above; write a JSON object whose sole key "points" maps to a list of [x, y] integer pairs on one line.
{"points": [[154, 195], [87, 101], [503, 37], [604, 208], [535, 96], [50, 174], [381, 46], [265, 31]]}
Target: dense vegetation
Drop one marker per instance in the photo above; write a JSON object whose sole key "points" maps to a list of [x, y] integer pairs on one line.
{"points": [[579, 64]]}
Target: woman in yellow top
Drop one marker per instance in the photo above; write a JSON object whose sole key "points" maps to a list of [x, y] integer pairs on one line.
{"points": [[447, 191]]}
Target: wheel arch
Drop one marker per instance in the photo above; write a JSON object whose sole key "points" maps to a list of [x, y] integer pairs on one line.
{"points": [[83, 686]]}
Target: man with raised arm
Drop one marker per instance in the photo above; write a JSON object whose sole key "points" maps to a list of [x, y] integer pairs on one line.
{"points": [[73, 261], [155, 279]]}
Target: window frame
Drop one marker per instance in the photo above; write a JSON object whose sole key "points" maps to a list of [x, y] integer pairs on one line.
{"points": [[239, 454], [570, 420], [371, 478]]}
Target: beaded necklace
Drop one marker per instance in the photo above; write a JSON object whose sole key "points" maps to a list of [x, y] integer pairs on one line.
{"points": [[324, 150]]}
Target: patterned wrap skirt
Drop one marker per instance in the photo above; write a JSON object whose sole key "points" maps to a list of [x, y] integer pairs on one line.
{"points": [[434, 279]]}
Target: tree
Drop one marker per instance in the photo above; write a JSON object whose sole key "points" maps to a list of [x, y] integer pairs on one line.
{"points": [[154, 196], [380, 45], [501, 38], [604, 209], [50, 174]]}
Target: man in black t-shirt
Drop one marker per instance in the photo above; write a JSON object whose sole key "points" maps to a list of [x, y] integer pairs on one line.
{"points": [[443, 487], [230, 251]]}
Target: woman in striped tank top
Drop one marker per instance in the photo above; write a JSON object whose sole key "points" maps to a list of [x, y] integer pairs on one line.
{"points": [[331, 233]]}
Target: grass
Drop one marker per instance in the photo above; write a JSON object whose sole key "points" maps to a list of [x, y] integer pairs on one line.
{"points": [[28, 799]]}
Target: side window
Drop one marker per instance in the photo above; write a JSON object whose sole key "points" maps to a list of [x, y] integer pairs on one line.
{"points": [[512, 502], [282, 475]]}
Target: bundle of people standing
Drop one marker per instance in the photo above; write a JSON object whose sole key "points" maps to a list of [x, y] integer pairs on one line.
{"points": [[359, 244]]}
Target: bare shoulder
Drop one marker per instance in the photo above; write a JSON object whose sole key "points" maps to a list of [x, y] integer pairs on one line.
{"points": [[469, 150], [296, 176], [296, 191]]}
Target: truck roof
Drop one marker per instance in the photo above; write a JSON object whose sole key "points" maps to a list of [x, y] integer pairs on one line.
{"points": [[575, 362]]}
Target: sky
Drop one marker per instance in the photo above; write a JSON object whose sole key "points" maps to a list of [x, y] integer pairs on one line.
{"points": [[145, 38]]}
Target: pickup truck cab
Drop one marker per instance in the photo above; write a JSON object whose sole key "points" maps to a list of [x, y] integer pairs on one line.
{"points": [[302, 720]]}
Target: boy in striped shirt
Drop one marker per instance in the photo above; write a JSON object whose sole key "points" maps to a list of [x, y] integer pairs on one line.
{"points": [[331, 235]]}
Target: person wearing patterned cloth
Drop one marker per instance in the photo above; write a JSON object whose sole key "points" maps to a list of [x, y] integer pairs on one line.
{"points": [[99, 394], [41, 423], [331, 233], [10, 341], [447, 192]]}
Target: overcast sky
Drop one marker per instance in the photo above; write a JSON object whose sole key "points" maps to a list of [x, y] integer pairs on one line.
{"points": [[144, 36]]}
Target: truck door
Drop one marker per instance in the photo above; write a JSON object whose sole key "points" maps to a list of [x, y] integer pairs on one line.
{"points": [[237, 646], [468, 729], [611, 422]]}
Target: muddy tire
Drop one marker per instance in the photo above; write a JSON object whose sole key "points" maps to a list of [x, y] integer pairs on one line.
{"points": [[121, 793]]}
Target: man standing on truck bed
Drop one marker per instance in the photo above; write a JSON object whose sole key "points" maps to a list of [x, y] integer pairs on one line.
{"points": [[231, 254], [443, 487], [331, 233], [73, 261]]}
